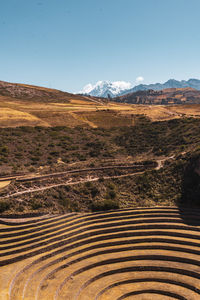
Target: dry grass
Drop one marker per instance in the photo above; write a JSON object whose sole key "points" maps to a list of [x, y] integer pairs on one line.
{"points": [[3, 184], [187, 110], [106, 118], [84, 112], [12, 118], [102, 256]]}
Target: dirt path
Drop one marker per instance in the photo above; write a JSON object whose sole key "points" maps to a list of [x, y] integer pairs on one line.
{"points": [[88, 179], [94, 100], [160, 164], [59, 174], [173, 113], [84, 120], [31, 177]]}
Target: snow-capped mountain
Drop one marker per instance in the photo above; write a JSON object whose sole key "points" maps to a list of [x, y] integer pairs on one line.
{"points": [[105, 88], [119, 88]]}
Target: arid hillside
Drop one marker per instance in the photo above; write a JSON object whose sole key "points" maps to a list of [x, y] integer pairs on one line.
{"points": [[97, 200], [80, 144], [24, 105], [164, 97], [35, 93], [61, 169]]}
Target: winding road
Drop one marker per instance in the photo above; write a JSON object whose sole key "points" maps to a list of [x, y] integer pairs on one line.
{"points": [[69, 182]]}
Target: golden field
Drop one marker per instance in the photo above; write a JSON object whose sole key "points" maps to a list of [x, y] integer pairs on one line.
{"points": [[27, 105], [14, 112], [143, 253]]}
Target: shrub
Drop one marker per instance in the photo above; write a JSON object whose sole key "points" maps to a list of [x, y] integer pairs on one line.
{"points": [[111, 186], [31, 169], [63, 201], [111, 195], [35, 204], [88, 184], [94, 192], [4, 150], [4, 205], [101, 179], [107, 204]]}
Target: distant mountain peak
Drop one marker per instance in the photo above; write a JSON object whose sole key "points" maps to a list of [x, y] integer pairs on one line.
{"points": [[105, 88], [118, 88]]}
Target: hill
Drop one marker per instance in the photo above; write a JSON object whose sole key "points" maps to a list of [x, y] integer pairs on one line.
{"points": [[90, 139], [167, 96], [35, 93], [24, 105], [104, 206], [65, 169], [27, 105]]}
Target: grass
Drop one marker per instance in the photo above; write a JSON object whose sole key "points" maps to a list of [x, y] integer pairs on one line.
{"points": [[104, 255], [107, 118], [13, 118], [29, 147], [79, 111], [5, 183], [57, 149], [142, 249]]}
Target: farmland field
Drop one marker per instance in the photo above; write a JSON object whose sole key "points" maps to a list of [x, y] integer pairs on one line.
{"points": [[99, 150], [98, 200], [15, 112], [122, 254]]}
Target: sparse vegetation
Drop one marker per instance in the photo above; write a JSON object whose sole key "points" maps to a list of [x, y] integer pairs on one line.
{"points": [[4, 206], [55, 148], [41, 146], [104, 205], [147, 164]]}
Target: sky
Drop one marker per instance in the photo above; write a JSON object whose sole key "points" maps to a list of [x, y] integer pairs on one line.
{"points": [[66, 44]]}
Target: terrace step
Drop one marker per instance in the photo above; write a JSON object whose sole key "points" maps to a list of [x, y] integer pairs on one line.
{"points": [[123, 254]]}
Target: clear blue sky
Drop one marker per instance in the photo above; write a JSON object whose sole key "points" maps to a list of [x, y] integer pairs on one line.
{"points": [[66, 44]]}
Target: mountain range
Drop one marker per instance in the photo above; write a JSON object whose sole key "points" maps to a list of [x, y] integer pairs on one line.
{"points": [[119, 88], [168, 96]]}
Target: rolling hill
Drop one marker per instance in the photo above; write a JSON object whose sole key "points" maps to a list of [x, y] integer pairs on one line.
{"points": [[35, 93], [167, 96], [25, 105], [98, 200]]}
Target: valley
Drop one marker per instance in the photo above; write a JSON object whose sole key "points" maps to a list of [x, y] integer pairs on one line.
{"points": [[107, 166], [98, 199], [36, 106], [100, 150]]}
